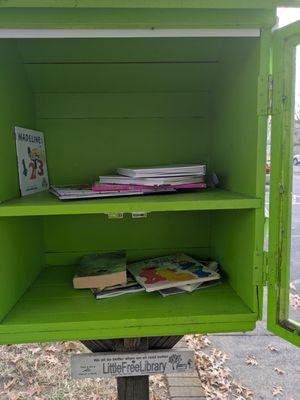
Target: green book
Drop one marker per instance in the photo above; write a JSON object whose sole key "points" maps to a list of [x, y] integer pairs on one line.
{"points": [[101, 270]]}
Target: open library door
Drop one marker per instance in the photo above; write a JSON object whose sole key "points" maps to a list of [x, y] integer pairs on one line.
{"points": [[284, 239]]}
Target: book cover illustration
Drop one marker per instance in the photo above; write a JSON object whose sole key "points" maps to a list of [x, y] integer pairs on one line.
{"points": [[32, 165], [170, 271], [101, 270]]}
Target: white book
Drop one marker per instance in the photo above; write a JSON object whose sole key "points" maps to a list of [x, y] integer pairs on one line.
{"points": [[32, 165], [164, 170], [126, 180]]}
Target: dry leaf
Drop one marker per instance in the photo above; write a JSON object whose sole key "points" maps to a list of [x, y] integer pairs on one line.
{"points": [[251, 360], [9, 384], [272, 348], [279, 371], [277, 391], [35, 350]]}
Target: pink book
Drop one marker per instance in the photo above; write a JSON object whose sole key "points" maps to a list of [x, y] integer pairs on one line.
{"points": [[98, 187]]}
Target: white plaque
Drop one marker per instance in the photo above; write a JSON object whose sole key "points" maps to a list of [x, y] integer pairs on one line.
{"points": [[96, 365]]}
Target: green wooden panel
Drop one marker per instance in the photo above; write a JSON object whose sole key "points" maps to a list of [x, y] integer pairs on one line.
{"points": [[232, 244], [50, 306], [17, 108], [157, 232], [134, 18], [21, 258], [235, 126], [91, 78], [80, 333], [71, 258], [47, 204], [122, 105], [79, 150], [147, 4], [120, 50]]}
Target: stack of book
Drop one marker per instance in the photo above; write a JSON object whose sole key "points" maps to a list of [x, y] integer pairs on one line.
{"points": [[169, 178], [138, 181], [108, 275]]}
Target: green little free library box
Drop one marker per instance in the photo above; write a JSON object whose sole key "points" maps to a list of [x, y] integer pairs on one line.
{"points": [[118, 83]]}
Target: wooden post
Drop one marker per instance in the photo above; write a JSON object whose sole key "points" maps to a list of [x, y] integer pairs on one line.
{"points": [[132, 387]]}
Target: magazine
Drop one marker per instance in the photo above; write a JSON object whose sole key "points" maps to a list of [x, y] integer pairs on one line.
{"points": [[118, 290], [32, 165], [73, 192], [169, 271]]}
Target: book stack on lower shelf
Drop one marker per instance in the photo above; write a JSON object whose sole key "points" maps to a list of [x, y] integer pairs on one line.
{"points": [[108, 275], [139, 181]]}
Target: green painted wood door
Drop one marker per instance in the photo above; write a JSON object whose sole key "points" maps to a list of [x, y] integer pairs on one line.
{"points": [[284, 261]]}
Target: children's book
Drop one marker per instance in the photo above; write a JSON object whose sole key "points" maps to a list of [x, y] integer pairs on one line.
{"points": [[101, 270], [179, 290], [155, 181], [169, 271], [118, 290], [32, 165], [163, 170], [206, 269]]}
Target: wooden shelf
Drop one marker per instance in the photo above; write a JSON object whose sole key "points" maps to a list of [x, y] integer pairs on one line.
{"points": [[47, 204], [52, 310]]}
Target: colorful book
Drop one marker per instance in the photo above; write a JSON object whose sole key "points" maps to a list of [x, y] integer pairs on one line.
{"points": [[32, 165], [101, 270], [169, 271], [207, 271], [179, 290]]}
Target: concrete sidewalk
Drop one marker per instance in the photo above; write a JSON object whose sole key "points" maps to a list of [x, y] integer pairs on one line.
{"points": [[262, 378], [269, 351]]}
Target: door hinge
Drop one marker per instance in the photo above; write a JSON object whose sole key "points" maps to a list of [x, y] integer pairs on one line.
{"points": [[260, 272], [270, 94], [265, 95]]}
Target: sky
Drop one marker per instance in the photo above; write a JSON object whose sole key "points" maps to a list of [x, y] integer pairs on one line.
{"points": [[287, 16]]}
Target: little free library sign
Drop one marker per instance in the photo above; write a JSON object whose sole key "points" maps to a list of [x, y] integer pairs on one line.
{"points": [[95, 365]]}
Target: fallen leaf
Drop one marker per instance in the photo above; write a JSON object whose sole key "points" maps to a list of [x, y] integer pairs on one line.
{"points": [[272, 348], [251, 360], [35, 350], [277, 391], [9, 384], [279, 371]]}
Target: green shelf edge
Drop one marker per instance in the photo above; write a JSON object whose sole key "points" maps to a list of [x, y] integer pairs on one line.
{"points": [[46, 204]]}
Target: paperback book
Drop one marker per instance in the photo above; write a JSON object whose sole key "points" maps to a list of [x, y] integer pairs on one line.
{"points": [[101, 270], [169, 271], [118, 290], [163, 170]]}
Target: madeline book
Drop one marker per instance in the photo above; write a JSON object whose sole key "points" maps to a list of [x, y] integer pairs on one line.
{"points": [[169, 271], [101, 270]]}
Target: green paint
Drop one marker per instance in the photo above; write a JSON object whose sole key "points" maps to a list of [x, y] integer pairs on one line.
{"points": [[103, 103], [284, 63]]}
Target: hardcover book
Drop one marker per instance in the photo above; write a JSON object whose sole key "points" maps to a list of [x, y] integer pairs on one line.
{"points": [[170, 271], [32, 165], [101, 270]]}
